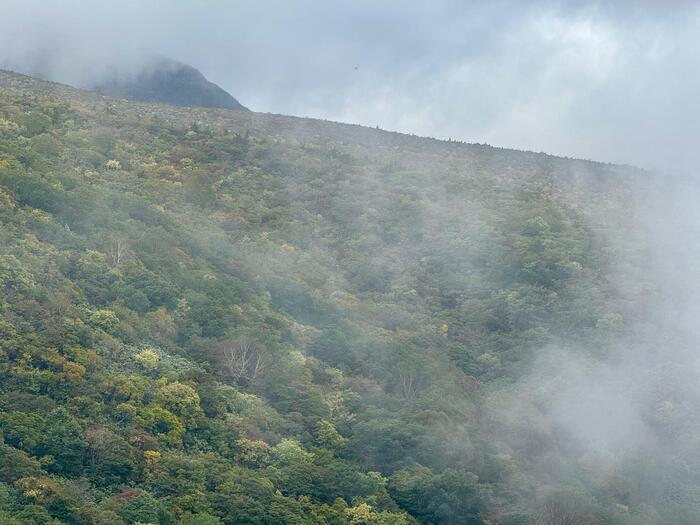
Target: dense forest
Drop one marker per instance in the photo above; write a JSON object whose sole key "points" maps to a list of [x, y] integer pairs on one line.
{"points": [[220, 317]]}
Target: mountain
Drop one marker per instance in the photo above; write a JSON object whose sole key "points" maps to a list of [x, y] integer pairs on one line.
{"points": [[211, 316], [169, 82]]}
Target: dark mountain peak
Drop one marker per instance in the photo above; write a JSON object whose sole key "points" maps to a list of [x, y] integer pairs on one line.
{"points": [[169, 82]]}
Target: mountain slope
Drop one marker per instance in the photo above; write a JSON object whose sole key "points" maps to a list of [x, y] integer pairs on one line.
{"points": [[214, 316]]}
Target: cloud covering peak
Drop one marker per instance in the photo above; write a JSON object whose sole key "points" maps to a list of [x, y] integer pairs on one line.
{"points": [[587, 79]]}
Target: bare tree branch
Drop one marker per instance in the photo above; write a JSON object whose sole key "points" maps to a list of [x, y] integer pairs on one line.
{"points": [[244, 359], [119, 251]]}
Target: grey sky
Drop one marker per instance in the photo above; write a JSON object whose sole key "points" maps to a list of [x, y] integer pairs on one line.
{"points": [[616, 83]]}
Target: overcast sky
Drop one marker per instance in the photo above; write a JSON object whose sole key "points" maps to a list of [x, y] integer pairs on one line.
{"points": [[615, 82]]}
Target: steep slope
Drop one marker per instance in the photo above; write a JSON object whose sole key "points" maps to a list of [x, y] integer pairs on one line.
{"points": [[169, 82], [213, 316]]}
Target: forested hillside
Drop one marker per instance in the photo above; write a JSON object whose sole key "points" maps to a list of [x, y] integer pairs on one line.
{"points": [[219, 317]]}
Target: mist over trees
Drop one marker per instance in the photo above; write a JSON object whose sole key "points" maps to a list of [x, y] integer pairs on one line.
{"points": [[214, 317]]}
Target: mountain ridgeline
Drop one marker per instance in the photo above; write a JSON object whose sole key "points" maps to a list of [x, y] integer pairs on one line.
{"points": [[224, 317]]}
